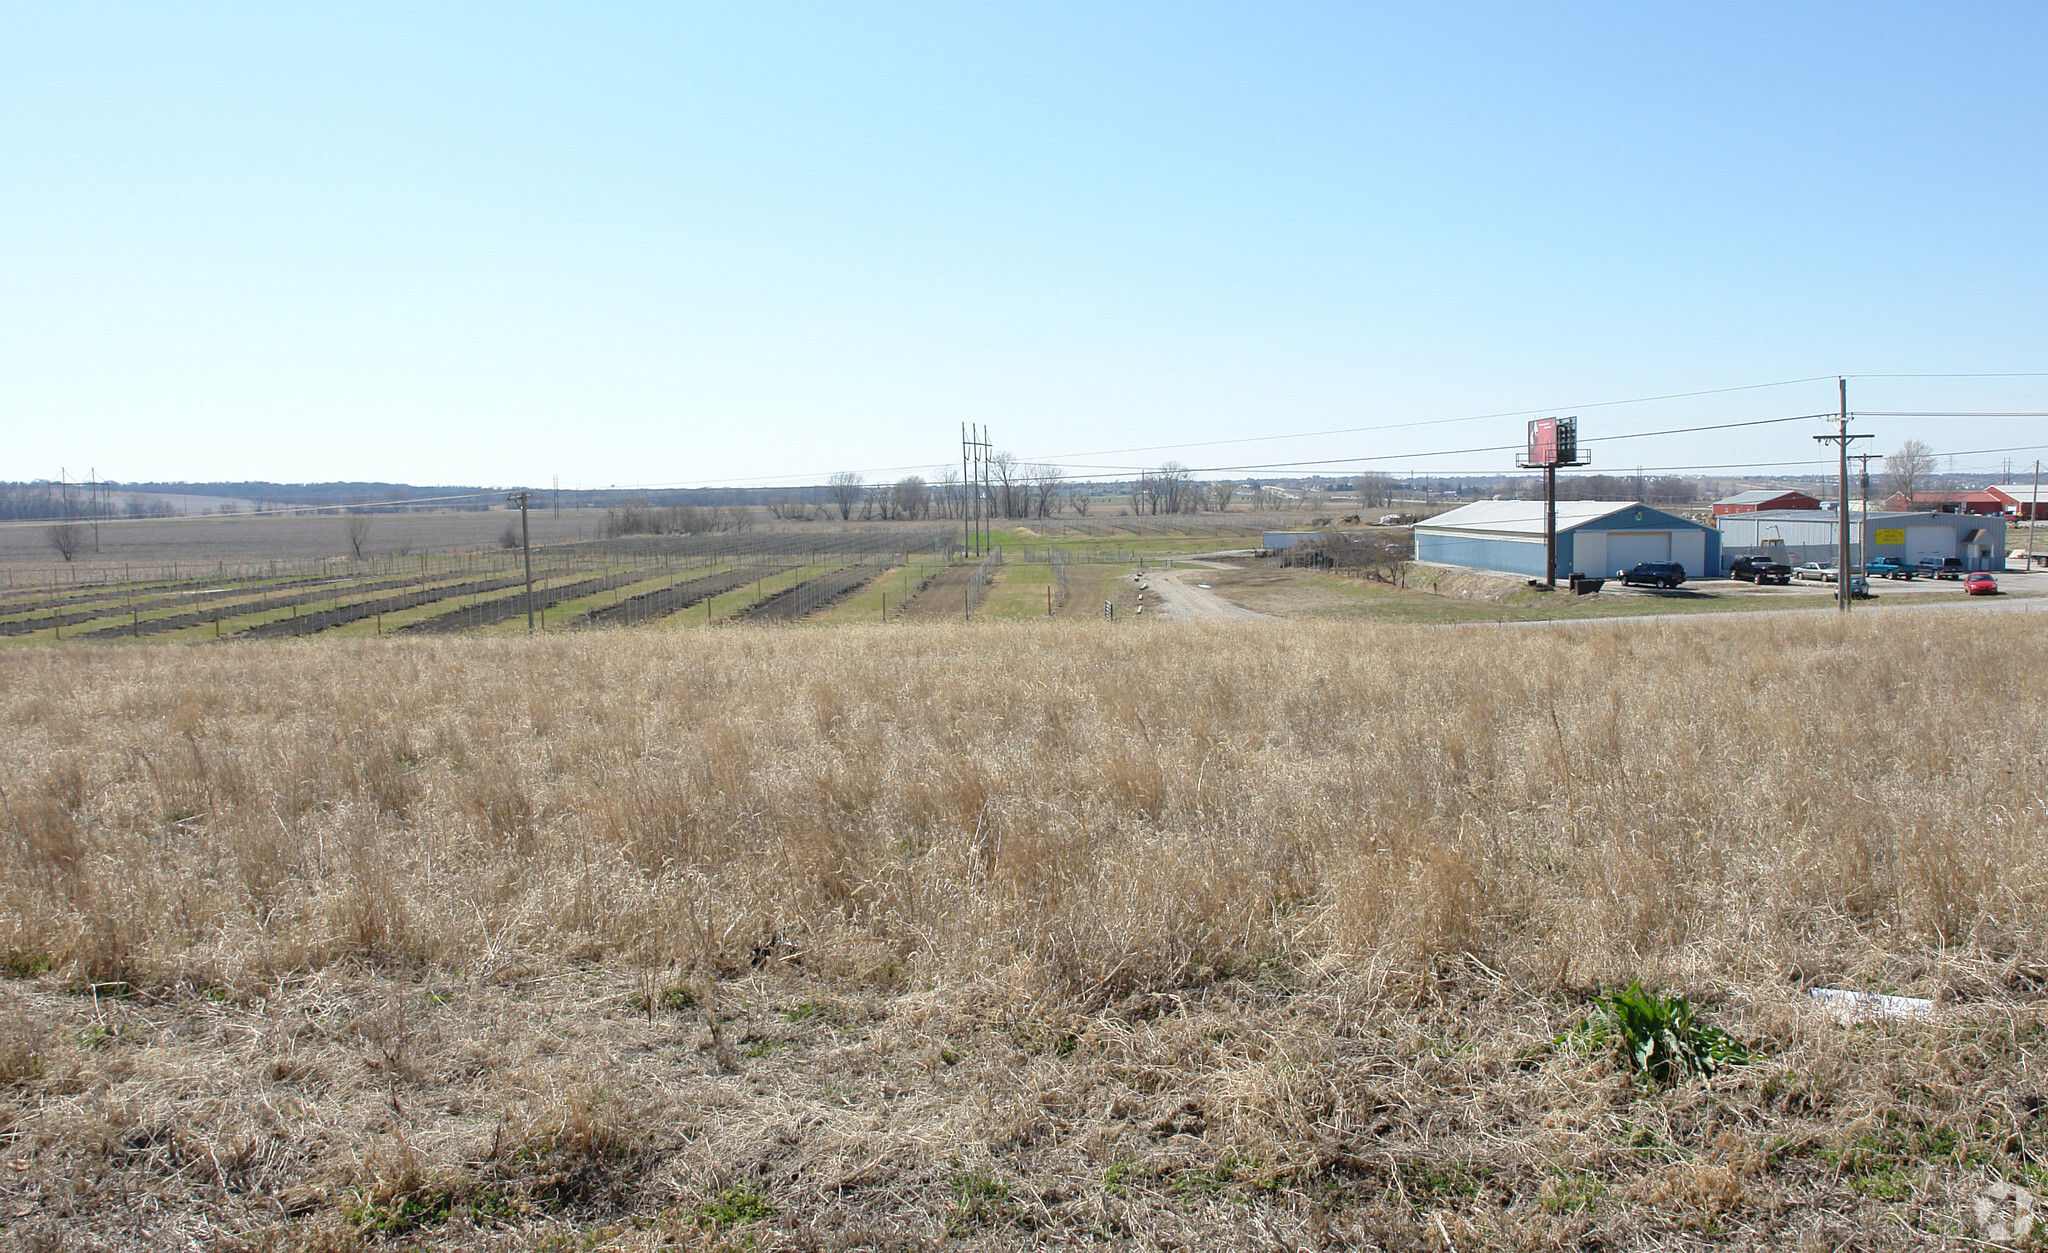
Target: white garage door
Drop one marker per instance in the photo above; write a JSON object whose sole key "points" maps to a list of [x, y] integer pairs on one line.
{"points": [[1626, 548], [1689, 549], [1929, 541]]}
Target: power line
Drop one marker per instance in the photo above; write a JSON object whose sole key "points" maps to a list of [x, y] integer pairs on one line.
{"points": [[1402, 426], [811, 477]]}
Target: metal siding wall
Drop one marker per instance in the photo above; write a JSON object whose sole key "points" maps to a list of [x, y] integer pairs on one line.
{"points": [[1512, 556]]}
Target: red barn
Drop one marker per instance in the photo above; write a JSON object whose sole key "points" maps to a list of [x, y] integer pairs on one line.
{"points": [[1946, 502], [1754, 502], [2018, 499]]}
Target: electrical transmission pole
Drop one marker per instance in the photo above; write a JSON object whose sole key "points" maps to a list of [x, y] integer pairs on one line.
{"points": [[974, 469], [1841, 438], [526, 546]]}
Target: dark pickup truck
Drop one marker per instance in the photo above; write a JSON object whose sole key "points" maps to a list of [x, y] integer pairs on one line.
{"points": [[1890, 568], [1945, 568], [1760, 570]]}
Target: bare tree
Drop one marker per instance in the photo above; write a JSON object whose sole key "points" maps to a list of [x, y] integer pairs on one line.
{"points": [[1006, 481], [66, 537], [911, 498], [357, 527], [1220, 493], [1172, 488], [844, 489], [1078, 497], [948, 495], [1906, 471], [1045, 489], [1376, 489]]}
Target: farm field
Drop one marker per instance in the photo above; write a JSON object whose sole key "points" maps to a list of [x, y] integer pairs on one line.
{"points": [[1021, 933], [631, 581], [295, 538]]}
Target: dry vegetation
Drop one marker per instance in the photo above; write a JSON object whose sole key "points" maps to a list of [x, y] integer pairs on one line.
{"points": [[1151, 937]]}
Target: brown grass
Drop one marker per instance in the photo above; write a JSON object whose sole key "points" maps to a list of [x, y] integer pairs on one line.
{"points": [[1004, 935]]}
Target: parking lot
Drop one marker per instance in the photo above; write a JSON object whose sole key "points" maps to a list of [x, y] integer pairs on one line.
{"points": [[2015, 582]]}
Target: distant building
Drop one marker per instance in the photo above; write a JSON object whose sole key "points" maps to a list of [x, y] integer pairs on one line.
{"points": [[1595, 538], [1276, 540], [2019, 498], [1770, 498], [1979, 501], [1800, 535]]}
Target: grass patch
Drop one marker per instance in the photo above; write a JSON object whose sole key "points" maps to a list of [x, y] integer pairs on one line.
{"points": [[736, 1207], [979, 1200]]}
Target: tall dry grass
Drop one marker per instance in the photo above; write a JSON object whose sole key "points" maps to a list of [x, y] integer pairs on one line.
{"points": [[1080, 811], [1186, 934]]}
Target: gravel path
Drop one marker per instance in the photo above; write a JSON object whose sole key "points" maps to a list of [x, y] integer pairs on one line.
{"points": [[1181, 599]]}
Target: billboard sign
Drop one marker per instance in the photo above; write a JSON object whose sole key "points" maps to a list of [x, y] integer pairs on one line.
{"points": [[1553, 442]]}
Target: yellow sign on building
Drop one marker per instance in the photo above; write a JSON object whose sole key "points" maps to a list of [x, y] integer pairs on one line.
{"points": [[1890, 535]]}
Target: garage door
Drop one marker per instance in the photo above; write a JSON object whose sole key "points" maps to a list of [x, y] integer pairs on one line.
{"points": [[1929, 541], [1626, 548]]}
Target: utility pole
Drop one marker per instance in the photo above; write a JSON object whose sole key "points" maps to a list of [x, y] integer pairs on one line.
{"points": [[974, 461], [1863, 460], [986, 506], [95, 510], [2033, 514], [526, 546], [1841, 439]]}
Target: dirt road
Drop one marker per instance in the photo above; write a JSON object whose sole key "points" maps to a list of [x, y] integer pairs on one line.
{"points": [[1181, 598]]}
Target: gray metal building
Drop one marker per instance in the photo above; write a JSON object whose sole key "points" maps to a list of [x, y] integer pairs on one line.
{"points": [[1801, 535], [1594, 537]]}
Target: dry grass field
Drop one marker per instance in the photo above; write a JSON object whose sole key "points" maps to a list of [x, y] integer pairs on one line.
{"points": [[1006, 935]]}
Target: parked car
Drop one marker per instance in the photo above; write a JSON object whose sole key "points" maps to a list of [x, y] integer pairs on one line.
{"points": [[1652, 574], [1759, 570], [1980, 584], [1814, 572], [1859, 587], [1942, 568], [1890, 568]]}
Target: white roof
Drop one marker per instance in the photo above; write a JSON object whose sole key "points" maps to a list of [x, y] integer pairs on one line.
{"points": [[2019, 491], [1524, 517]]}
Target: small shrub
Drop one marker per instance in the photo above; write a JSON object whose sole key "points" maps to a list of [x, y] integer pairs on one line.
{"points": [[1660, 1036]]}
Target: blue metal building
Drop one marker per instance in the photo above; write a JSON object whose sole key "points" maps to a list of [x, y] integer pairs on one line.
{"points": [[1596, 538]]}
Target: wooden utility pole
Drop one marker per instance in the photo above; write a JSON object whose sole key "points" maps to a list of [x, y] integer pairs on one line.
{"points": [[1841, 439], [526, 547], [2033, 515]]}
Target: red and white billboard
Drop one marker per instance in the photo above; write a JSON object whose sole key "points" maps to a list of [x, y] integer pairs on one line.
{"points": [[1553, 442]]}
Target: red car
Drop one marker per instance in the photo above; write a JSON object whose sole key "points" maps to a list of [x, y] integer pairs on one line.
{"points": [[1980, 584]]}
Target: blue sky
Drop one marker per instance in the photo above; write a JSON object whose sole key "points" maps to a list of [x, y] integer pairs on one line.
{"points": [[677, 244]]}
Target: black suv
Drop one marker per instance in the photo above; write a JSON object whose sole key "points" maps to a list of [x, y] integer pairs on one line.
{"points": [[1652, 574]]}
